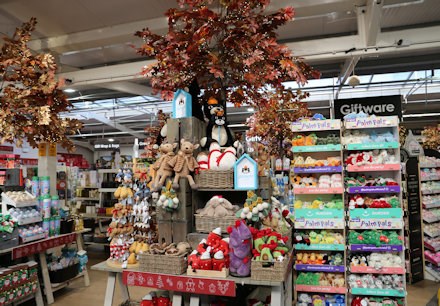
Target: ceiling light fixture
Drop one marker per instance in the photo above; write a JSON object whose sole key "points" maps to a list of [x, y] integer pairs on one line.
{"points": [[69, 90], [111, 139], [250, 109]]}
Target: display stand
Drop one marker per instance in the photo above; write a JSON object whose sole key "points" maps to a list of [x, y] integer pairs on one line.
{"points": [[385, 219], [319, 218]]}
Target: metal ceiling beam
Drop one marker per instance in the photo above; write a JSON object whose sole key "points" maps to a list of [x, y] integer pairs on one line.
{"points": [[346, 71], [129, 87], [369, 19], [116, 125], [331, 49]]}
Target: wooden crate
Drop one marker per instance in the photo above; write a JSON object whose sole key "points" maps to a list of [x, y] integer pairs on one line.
{"points": [[165, 230], [183, 214], [208, 273], [163, 215], [180, 230]]}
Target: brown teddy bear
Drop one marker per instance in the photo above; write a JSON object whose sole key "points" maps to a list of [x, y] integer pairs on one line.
{"points": [[184, 163], [162, 167]]}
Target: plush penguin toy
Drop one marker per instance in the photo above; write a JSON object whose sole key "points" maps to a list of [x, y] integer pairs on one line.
{"points": [[217, 129]]}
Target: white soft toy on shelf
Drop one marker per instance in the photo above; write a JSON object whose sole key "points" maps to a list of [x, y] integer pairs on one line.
{"points": [[214, 154], [227, 159]]}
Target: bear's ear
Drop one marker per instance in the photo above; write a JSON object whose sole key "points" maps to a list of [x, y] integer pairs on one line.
{"points": [[174, 145], [196, 146], [182, 141]]}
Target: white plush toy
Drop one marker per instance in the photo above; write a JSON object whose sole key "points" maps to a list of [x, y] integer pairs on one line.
{"points": [[227, 159], [214, 154]]}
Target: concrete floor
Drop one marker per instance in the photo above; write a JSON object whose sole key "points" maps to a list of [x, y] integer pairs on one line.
{"points": [[78, 295]]}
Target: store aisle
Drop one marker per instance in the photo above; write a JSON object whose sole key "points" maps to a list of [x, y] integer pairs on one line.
{"points": [[418, 295]]}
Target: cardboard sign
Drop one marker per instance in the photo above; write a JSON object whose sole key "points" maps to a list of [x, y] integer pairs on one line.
{"points": [[52, 149], [379, 106], [41, 246], [42, 148], [187, 284]]}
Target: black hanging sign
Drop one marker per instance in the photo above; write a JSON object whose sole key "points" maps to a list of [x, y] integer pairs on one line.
{"points": [[379, 106], [105, 145]]}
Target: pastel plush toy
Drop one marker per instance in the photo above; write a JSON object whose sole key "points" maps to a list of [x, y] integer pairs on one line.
{"points": [[324, 181], [218, 206], [336, 180], [240, 245], [202, 160], [184, 163], [163, 169]]}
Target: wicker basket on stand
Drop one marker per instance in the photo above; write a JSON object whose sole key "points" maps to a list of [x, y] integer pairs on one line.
{"points": [[270, 271], [163, 264], [205, 224], [215, 179]]}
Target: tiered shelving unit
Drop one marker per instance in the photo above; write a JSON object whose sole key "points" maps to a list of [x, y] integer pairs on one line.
{"points": [[312, 219], [360, 219], [431, 203]]}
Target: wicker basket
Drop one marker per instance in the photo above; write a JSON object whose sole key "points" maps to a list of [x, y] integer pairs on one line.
{"points": [[205, 224], [215, 179], [270, 271], [163, 264]]}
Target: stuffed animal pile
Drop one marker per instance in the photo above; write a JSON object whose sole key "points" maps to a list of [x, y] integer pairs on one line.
{"points": [[429, 161], [321, 279], [433, 257], [430, 187], [218, 206], [168, 199], [431, 200], [364, 136], [380, 281], [432, 229], [269, 245], [311, 258], [335, 203], [254, 209], [161, 165], [144, 227], [377, 301], [121, 221], [318, 237], [212, 253], [434, 243], [362, 181], [310, 162], [170, 249], [358, 201], [431, 215], [305, 299], [240, 243], [323, 181], [313, 139], [430, 174], [184, 163], [376, 260], [374, 157], [375, 237]]}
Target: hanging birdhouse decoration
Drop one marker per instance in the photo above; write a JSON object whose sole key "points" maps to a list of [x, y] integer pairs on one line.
{"points": [[246, 173], [182, 104]]}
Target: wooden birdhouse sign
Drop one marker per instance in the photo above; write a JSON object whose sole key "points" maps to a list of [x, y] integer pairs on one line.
{"points": [[182, 104], [245, 173]]}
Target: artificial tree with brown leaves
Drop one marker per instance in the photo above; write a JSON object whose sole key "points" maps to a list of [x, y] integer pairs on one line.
{"points": [[30, 99], [272, 119], [229, 47]]}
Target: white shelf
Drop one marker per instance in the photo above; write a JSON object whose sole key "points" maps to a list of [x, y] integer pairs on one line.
{"points": [[6, 200], [103, 190], [30, 221]]}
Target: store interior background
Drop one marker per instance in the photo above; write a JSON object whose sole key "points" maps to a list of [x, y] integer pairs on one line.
{"points": [[392, 45]]}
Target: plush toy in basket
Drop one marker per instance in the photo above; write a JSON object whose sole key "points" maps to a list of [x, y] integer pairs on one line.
{"points": [[212, 256], [218, 212]]}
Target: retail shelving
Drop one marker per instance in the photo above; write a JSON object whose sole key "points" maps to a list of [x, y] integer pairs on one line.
{"points": [[362, 217], [312, 219], [430, 176]]}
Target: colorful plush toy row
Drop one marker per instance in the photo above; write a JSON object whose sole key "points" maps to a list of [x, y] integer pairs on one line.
{"points": [[363, 181], [323, 181], [377, 301], [358, 201], [376, 260], [429, 187], [365, 136], [269, 245], [335, 203], [313, 139], [321, 279], [371, 281], [372, 157], [375, 237], [318, 237], [305, 299], [211, 253], [306, 258], [309, 162]]}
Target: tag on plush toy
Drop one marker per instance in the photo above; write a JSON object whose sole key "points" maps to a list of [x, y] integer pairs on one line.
{"points": [[412, 145]]}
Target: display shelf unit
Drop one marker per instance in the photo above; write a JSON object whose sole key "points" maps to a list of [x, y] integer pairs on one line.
{"points": [[308, 219], [431, 223], [361, 219]]}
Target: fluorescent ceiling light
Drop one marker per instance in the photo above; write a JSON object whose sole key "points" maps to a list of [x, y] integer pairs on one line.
{"points": [[69, 90], [111, 139]]}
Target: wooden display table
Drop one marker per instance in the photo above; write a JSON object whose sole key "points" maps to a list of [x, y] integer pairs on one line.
{"points": [[281, 292]]}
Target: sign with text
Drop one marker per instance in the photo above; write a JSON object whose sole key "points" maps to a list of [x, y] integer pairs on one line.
{"points": [[188, 284], [379, 106], [105, 145]]}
